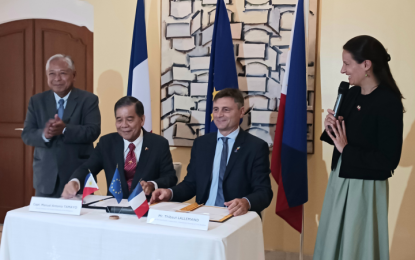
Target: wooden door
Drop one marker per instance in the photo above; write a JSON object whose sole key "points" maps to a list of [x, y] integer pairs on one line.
{"points": [[52, 37], [25, 46], [16, 88]]}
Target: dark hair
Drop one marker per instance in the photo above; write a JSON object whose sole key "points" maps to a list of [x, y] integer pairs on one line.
{"points": [[365, 47], [128, 101], [234, 93]]}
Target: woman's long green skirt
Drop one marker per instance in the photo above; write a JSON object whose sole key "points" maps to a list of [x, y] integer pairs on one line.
{"points": [[354, 220]]}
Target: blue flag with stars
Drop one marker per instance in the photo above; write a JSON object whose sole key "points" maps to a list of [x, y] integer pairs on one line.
{"points": [[115, 187], [222, 68]]}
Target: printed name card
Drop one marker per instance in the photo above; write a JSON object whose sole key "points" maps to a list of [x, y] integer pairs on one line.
{"points": [[52, 205], [178, 219]]}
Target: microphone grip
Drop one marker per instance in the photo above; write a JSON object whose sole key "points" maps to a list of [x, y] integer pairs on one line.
{"points": [[337, 105]]}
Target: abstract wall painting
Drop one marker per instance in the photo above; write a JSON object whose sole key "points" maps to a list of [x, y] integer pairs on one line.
{"points": [[261, 31]]}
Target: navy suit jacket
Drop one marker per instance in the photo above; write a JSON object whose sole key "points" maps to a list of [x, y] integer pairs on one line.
{"points": [[155, 162], [246, 175]]}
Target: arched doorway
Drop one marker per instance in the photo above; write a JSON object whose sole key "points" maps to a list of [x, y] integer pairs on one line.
{"points": [[25, 46]]}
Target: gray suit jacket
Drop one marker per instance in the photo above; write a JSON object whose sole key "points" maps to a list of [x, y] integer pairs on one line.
{"points": [[63, 154]]}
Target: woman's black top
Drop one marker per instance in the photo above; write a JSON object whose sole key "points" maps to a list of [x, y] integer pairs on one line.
{"points": [[374, 129]]}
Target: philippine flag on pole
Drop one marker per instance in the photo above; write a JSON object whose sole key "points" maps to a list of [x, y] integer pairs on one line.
{"points": [[289, 155], [90, 186], [138, 201], [138, 80]]}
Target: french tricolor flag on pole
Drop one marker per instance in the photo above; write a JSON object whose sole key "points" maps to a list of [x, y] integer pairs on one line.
{"points": [[289, 155], [138, 80], [138, 201]]}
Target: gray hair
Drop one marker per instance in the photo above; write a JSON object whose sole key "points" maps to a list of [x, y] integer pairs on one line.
{"points": [[66, 58]]}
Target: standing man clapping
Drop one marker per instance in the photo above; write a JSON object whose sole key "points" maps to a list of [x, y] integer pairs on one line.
{"points": [[62, 124]]}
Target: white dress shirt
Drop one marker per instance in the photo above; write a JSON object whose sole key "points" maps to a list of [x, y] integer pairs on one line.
{"points": [[138, 145], [65, 101]]}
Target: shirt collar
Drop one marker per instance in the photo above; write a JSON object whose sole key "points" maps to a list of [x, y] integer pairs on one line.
{"points": [[57, 98], [136, 142], [232, 135]]}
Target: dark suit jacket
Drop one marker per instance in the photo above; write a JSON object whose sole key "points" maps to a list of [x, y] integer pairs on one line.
{"points": [[246, 175], [63, 154], [155, 162], [379, 152]]}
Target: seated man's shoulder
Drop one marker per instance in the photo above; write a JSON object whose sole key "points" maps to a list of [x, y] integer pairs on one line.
{"points": [[110, 137], [152, 138], [155, 138], [206, 137], [254, 140]]}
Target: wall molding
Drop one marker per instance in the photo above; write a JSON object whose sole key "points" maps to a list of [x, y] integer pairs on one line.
{"points": [[77, 12]]}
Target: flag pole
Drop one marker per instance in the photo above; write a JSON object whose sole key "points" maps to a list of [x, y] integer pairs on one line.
{"points": [[302, 238], [306, 3]]}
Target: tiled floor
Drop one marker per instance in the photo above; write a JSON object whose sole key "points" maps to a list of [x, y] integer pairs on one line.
{"points": [[278, 255]]}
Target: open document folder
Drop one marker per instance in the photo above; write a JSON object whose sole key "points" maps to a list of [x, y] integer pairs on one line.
{"points": [[216, 214]]}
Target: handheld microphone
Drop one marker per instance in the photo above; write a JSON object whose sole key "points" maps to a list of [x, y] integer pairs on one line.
{"points": [[343, 88]]}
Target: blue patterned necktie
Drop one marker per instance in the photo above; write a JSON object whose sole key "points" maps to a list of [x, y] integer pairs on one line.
{"points": [[220, 200], [61, 108]]}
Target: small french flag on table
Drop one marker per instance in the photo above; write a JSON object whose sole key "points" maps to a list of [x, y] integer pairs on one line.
{"points": [[90, 186], [138, 201]]}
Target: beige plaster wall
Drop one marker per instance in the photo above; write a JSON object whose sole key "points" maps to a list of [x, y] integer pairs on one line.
{"points": [[390, 22]]}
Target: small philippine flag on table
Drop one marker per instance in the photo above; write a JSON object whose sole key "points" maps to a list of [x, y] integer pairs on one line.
{"points": [[90, 186], [138, 201]]}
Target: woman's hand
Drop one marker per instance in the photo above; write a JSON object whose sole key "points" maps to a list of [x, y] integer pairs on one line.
{"points": [[331, 121], [339, 137]]}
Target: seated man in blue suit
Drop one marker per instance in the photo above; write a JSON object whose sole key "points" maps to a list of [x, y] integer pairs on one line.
{"points": [[227, 168]]}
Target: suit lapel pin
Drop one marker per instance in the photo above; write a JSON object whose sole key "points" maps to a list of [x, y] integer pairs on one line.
{"points": [[146, 149], [237, 149]]}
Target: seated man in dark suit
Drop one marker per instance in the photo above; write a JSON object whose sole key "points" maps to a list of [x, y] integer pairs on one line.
{"points": [[62, 124], [227, 168], [141, 157]]}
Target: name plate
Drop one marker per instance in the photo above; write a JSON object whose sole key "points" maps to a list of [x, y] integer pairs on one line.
{"points": [[52, 205], [178, 219]]}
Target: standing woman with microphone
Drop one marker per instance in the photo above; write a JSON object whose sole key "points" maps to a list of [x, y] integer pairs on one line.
{"points": [[367, 139]]}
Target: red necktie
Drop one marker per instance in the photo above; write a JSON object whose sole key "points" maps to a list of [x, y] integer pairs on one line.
{"points": [[130, 165]]}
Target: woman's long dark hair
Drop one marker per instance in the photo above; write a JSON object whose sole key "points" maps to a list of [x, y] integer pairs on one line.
{"points": [[365, 47]]}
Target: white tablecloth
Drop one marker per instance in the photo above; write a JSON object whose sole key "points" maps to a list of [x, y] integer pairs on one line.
{"points": [[32, 235]]}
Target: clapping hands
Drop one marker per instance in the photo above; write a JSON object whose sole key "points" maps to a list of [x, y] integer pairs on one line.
{"points": [[54, 127]]}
